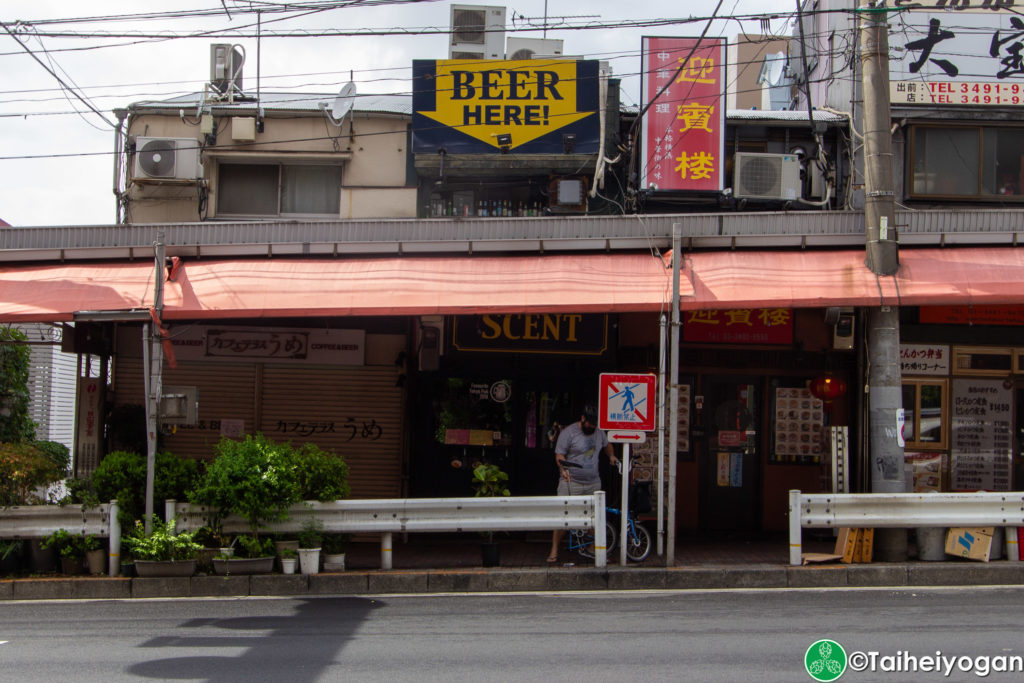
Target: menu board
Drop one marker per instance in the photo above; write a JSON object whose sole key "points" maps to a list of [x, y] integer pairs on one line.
{"points": [[981, 448], [799, 421]]}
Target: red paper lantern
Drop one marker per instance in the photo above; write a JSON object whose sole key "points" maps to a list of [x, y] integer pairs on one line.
{"points": [[828, 388]]}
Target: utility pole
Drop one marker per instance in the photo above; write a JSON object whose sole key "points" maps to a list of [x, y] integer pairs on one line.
{"points": [[885, 412]]}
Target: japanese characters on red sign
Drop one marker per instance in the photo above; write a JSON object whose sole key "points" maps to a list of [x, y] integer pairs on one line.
{"points": [[739, 326], [972, 315], [683, 144]]}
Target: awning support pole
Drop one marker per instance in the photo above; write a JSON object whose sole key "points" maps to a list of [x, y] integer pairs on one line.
{"points": [[673, 412]]}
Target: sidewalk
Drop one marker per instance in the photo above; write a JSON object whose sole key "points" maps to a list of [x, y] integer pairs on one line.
{"points": [[426, 564]]}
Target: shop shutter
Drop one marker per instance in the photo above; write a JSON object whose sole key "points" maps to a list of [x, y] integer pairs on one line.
{"points": [[353, 411], [226, 392]]}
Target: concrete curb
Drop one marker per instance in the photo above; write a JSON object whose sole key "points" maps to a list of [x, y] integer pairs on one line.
{"points": [[507, 579]]}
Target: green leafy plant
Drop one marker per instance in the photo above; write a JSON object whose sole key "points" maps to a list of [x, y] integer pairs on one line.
{"points": [[254, 546], [8, 548], [15, 425], [489, 481], [122, 475], [89, 543], [80, 492], [287, 553], [336, 544], [57, 453], [65, 543], [312, 533], [23, 469], [323, 475], [161, 544], [254, 478]]}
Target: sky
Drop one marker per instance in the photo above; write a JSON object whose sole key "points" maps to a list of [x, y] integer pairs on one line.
{"points": [[56, 152]]}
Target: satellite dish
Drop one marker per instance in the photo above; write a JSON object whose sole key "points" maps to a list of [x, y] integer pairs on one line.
{"points": [[343, 102], [773, 69]]}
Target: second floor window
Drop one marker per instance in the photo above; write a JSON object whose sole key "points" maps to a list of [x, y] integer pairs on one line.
{"points": [[967, 162], [278, 189]]}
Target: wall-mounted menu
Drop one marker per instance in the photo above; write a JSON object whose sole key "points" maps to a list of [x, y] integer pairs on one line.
{"points": [[982, 445]]}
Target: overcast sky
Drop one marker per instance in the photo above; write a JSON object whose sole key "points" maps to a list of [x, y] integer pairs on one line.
{"points": [[38, 119]]}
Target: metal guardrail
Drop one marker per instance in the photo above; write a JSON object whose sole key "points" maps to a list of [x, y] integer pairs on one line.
{"points": [[39, 521], [416, 515], [899, 510]]}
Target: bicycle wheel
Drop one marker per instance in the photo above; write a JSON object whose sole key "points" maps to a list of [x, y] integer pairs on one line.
{"points": [[582, 542], [639, 545]]}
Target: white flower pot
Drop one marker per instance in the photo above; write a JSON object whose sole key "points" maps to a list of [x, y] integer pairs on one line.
{"points": [[288, 564], [309, 560], [334, 562]]}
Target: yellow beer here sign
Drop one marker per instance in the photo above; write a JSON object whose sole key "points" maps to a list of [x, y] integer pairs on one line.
{"points": [[486, 98]]}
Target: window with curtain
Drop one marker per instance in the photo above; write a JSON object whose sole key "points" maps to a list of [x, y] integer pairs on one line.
{"points": [[278, 189], [967, 162]]}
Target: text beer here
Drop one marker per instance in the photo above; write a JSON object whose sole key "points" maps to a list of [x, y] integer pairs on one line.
{"points": [[505, 85]]}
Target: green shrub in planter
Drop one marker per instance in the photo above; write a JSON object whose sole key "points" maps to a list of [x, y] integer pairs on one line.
{"points": [[323, 475], [253, 546], [122, 475], [66, 544], [254, 478], [161, 544], [312, 533], [336, 544]]}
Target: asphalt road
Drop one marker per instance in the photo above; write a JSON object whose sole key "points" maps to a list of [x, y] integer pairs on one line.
{"points": [[607, 636]]}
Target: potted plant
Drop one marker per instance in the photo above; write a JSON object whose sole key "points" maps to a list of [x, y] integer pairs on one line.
{"points": [[489, 481], [162, 552], [252, 555], [94, 555], [68, 548], [334, 548], [310, 540], [288, 559]]}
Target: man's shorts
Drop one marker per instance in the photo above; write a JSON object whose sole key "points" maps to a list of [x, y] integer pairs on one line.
{"points": [[574, 488]]}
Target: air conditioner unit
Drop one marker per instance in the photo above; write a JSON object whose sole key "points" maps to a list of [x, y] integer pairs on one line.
{"points": [[478, 32], [167, 159], [766, 176], [528, 48]]}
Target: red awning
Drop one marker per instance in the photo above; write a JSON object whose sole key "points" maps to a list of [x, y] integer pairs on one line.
{"points": [[808, 279], [42, 293], [257, 288], [421, 285]]}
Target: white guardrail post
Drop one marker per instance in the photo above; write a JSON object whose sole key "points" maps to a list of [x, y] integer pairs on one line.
{"points": [[600, 536], [795, 529], [114, 533]]}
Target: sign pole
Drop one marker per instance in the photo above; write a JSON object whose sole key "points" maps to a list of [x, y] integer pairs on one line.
{"points": [[623, 516]]}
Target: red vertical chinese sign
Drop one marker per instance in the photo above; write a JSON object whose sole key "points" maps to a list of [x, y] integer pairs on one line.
{"points": [[683, 143]]}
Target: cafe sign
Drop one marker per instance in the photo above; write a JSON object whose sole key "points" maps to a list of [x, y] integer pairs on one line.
{"points": [[544, 333], [271, 345]]}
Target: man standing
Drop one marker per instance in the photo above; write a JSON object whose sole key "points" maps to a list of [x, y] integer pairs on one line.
{"points": [[580, 445]]}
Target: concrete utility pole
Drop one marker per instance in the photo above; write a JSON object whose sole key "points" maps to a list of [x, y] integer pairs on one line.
{"points": [[885, 413]]}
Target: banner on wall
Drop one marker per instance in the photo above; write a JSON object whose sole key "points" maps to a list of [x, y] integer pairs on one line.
{"points": [[683, 142]]}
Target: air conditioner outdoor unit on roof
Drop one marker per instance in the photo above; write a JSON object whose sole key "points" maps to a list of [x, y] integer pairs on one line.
{"points": [[528, 48], [159, 159], [478, 32], [766, 176]]}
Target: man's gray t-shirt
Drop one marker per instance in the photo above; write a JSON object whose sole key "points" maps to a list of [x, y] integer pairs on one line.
{"points": [[582, 449]]}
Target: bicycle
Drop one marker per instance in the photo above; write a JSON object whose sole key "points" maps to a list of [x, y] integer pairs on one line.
{"points": [[638, 541]]}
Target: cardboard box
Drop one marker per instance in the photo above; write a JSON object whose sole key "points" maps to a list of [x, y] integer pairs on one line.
{"points": [[865, 545], [974, 543]]}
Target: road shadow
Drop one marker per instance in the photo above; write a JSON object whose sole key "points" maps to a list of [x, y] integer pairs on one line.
{"points": [[296, 647]]}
